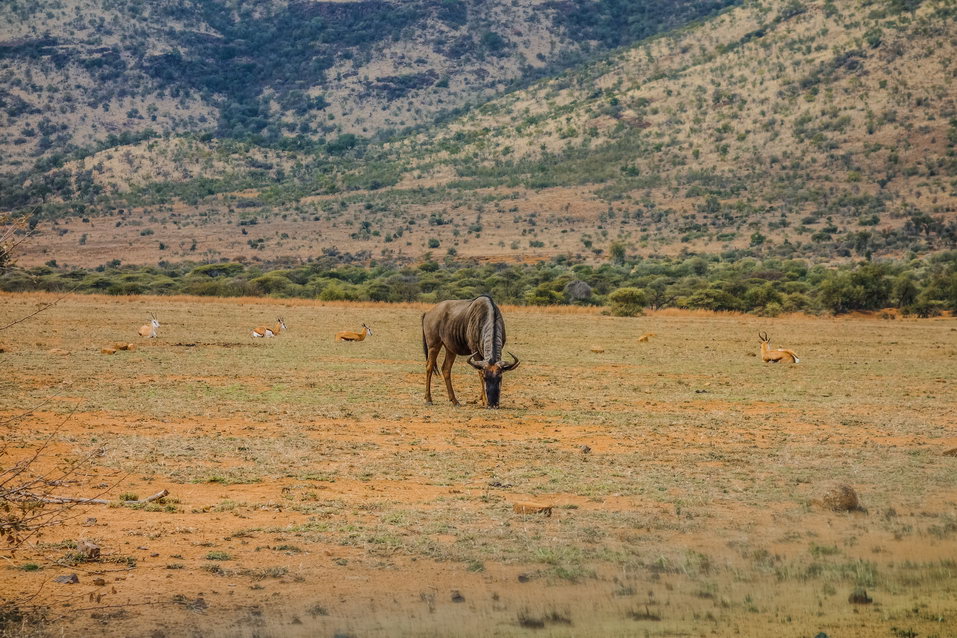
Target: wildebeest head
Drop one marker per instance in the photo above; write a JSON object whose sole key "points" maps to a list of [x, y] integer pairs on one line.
{"points": [[492, 375]]}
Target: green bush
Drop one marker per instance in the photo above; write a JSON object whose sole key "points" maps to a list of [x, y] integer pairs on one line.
{"points": [[339, 292], [627, 302]]}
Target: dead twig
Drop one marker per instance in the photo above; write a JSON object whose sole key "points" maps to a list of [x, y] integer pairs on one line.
{"points": [[121, 606], [92, 501]]}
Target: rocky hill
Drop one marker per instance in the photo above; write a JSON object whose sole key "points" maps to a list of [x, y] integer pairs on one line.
{"points": [[785, 128], [76, 72]]}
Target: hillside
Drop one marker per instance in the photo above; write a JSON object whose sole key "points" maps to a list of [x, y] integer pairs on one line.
{"points": [[822, 130], [76, 72]]}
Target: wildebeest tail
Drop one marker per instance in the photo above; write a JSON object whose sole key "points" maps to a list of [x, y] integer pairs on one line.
{"points": [[425, 347]]}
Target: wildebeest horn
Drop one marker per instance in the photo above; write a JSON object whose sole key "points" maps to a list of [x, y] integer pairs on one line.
{"points": [[512, 365], [471, 361]]}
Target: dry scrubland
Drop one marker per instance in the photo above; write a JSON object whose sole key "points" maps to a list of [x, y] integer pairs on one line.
{"points": [[312, 492], [784, 128]]}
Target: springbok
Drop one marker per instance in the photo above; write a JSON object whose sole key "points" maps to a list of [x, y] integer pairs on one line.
{"points": [[149, 329], [645, 337], [266, 331], [468, 327], [776, 355], [345, 335]]}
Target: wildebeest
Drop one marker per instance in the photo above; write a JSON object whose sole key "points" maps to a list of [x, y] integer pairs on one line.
{"points": [[467, 327]]}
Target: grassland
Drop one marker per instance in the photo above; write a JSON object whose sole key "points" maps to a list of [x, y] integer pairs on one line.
{"points": [[313, 492]]}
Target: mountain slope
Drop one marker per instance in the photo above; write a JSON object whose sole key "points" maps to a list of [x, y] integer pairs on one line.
{"points": [[810, 129], [769, 118], [77, 71]]}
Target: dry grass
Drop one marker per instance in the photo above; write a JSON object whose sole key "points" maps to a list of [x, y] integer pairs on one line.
{"points": [[316, 468]]}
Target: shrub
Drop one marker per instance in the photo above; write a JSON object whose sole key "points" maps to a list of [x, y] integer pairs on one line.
{"points": [[627, 302]]}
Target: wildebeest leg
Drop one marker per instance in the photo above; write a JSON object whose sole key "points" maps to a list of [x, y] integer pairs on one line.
{"points": [[483, 400], [447, 374], [429, 368]]}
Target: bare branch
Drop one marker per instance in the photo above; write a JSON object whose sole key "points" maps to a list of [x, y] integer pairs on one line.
{"points": [[93, 501]]}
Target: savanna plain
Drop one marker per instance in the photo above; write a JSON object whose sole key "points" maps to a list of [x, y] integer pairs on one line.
{"points": [[312, 492]]}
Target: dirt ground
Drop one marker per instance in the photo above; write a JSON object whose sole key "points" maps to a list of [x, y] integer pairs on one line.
{"points": [[311, 491]]}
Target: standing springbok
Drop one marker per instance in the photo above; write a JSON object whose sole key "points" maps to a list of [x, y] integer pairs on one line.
{"points": [[468, 327], [345, 335], [266, 331], [149, 329], [776, 355]]}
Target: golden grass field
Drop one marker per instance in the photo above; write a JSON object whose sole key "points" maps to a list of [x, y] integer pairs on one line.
{"points": [[313, 493]]}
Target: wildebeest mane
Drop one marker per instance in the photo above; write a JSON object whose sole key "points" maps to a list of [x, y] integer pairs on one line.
{"points": [[487, 327]]}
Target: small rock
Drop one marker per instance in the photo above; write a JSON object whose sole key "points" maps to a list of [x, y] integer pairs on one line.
{"points": [[597, 349], [107, 350], [951, 452], [99, 582], [532, 508], [585, 449], [67, 579], [859, 597], [841, 498], [457, 596], [89, 522], [89, 549], [58, 351], [524, 578]]}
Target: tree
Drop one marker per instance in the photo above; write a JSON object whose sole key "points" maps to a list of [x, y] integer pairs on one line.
{"points": [[627, 302], [905, 290], [616, 252], [544, 294], [577, 291], [712, 299], [660, 292]]}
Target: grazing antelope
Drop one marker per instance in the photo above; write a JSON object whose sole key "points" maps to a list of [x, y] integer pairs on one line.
{"points": [[345, 335], [645, 337], [774, 356], [149, 329], [266, 331], [468, 327]]}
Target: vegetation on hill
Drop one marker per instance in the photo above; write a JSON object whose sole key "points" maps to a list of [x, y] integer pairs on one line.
{"points": [[77, 71], [769, 287], [785, 129]]}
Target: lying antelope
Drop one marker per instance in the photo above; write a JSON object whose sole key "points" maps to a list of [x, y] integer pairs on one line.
{"points": [[266, 331], [471, 327], [776, 355], [645, 337], [149, 329], [345, 335]]}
